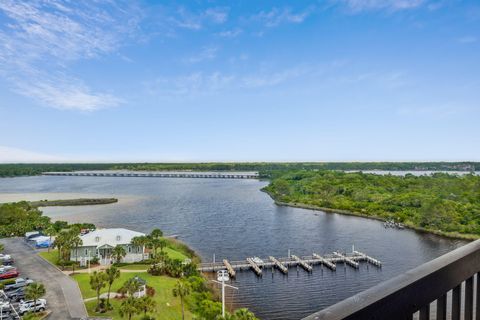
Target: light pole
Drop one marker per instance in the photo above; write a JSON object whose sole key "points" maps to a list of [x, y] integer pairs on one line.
{"points": [[222, 277]]}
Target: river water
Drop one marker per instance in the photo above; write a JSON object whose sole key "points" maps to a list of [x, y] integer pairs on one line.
{"points": [[233, 219]]}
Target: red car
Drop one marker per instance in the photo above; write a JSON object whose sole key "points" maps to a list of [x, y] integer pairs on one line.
{"points": [[9, 274]]}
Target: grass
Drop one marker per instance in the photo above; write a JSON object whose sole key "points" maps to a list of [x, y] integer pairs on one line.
{"points": [[51, 256], [167, 305]]}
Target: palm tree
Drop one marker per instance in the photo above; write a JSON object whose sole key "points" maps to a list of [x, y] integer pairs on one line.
{"points": [[59, 244], [118, 253], [181, 290], [156, 233], [244, 314], [112, 274], [75, 241], [50, 231], [98, 280], [34, 292], [146, 304], [140, 241], [129, 307], [162, 243]]}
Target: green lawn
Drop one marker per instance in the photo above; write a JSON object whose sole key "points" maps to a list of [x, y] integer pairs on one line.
{"points": [[174, 254], [168, 307], [51, 256]]}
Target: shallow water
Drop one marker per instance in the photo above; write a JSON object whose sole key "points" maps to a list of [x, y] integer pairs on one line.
{"points": [[233, 219]]}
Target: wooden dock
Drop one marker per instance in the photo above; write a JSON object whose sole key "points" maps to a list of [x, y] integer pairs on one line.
{"points": [[329, 264], [347, 260], [230, 270], [352, 259], [369, 259], [278, 264], [302, 263], [254, 266]]}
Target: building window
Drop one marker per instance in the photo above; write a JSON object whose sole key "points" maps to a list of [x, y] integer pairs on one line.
{"points": [[129, 249], [86, 252], [97, 239], [118, 238]]}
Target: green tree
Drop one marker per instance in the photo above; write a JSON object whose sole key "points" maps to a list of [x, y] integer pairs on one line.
{"points": [[35, 291], [131, 286], [146, 304], [2, 247], [118, 253], [181, 290], [156, 233], [209, 309], [74, 242], [98, 281], [112, 274], [50, 231], [244, 314], [129, 308]]}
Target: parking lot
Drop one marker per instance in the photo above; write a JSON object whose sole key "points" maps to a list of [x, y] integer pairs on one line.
{"points": [[63, 296]]}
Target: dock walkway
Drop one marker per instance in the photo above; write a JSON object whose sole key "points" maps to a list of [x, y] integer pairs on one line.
{"points": [[352, 259]]}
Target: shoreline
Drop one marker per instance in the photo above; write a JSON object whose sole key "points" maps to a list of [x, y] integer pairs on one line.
{"points": [[73, 202], [450, 235]]}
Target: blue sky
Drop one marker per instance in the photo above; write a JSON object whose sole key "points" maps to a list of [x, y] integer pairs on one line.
{"points": [[332, 80]]}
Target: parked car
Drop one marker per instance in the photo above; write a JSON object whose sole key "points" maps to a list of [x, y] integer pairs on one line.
{"points": [[16, 295], [6, 268], [6, 259], [5, 308], [28, 306], [19, 283], [9, 274]]}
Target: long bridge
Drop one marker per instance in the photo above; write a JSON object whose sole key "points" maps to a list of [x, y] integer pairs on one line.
{"points": [[157, 175], [306, 262]]}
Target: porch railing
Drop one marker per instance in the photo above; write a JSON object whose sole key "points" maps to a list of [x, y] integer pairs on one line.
{"points": [[444, 288]]}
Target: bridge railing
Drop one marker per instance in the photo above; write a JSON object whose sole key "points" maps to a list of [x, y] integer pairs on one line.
{"points": [[411, 294]]}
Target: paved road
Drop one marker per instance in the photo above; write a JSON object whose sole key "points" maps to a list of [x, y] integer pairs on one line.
{"points": [[63, 295]]}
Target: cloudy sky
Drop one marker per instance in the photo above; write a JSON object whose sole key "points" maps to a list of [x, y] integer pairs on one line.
{"points": [[239, 80]]}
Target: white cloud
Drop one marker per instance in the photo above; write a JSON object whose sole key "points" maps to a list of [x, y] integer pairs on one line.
{"points": [[468, 39], [14, 155], [206, 53], [186, 19], [277, 16], [230, 33], [217, 15], [391, 5], [269, 79], [41, 38], [188, 86], [201, 84]]}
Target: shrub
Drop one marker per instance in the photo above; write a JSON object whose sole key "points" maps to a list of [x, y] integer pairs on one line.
{"points": [[150, 291]]}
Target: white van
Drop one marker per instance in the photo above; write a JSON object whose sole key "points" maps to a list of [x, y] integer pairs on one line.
{"points": [[28, 306]]}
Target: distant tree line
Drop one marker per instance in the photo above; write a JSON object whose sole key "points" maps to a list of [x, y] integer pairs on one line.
{"points": [[266, 169], [18, 218], [440, 202]]}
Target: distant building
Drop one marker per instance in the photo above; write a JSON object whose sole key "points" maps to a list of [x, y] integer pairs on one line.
{"points": [[100, 243]]}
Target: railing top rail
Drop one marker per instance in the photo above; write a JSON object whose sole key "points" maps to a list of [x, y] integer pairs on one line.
{"points": [[400, 297]]}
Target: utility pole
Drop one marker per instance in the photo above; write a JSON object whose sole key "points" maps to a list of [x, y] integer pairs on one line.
{"points": [[222, 277]]}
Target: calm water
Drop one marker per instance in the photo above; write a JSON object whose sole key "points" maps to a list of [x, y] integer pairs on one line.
{"points": [[234, 219]]}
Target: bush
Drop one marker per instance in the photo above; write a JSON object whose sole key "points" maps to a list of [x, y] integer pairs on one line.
{"points": [[150, 291]]}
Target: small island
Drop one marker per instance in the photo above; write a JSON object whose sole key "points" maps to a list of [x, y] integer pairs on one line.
{"points": [[73, 202]]}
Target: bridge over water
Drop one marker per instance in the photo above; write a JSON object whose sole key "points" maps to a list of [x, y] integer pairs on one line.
{"points": [[157, 175]]}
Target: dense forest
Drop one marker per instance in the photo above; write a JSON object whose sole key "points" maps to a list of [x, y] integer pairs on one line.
{"points": [[441, 202], [18, 218], [266, 169]]}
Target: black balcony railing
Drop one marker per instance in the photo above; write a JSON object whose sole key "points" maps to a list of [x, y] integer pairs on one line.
{"points": [[443, 288]]}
